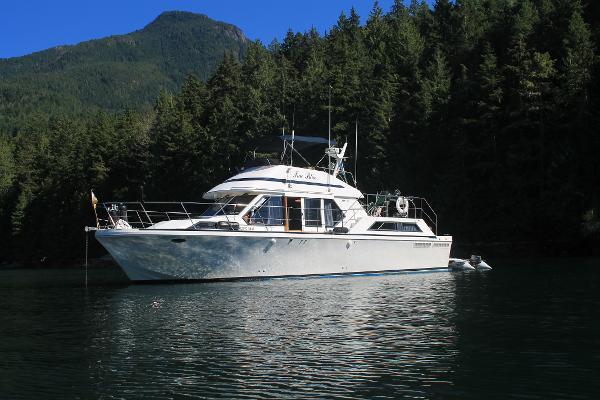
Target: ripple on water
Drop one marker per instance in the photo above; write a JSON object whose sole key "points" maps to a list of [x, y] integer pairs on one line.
{"points": [[431, 335]]}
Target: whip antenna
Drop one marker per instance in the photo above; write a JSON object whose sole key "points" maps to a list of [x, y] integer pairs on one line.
{"points": [[355, 151], [329, 133], [293, 123]]}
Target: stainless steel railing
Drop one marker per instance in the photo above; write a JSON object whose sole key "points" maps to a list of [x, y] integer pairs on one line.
{"points": [[384, 205], [143, 215]]}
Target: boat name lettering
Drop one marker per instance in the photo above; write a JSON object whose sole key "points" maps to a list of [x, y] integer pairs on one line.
{"points": [[304, 175]]}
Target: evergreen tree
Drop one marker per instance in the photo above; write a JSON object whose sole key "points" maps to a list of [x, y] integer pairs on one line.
{"points": [[7, 182], [578, 60], [222, 146]]}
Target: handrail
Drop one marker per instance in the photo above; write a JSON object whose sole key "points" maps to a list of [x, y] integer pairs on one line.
{"points": [[138, 215], [378, 204]]}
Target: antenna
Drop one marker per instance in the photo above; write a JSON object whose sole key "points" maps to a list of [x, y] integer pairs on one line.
{"points": [[292, 152], [283, 140], [355, 150], [329, 133], [283, 112], [293, 123]]}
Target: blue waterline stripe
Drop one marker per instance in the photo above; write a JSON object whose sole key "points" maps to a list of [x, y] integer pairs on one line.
{"points": [[360, 274], [284, 181], [299, 277]]}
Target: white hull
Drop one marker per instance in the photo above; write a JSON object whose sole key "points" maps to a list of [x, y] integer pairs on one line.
{"points": [[213, 255]]}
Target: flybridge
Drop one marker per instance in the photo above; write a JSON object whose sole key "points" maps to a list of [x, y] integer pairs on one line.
{"points": [[284, 179]]}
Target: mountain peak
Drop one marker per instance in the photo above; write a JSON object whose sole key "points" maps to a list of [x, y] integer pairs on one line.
{"points": [[178, 16], [171, 19]]}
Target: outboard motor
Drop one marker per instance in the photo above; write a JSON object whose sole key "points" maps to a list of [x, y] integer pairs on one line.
{"points": [[118, 216], [113, 213], [123, 212], [478, 263]]}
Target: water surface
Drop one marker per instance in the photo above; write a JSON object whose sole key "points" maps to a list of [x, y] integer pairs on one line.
{"points": [[527, 330]]}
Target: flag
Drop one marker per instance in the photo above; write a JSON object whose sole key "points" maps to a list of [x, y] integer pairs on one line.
{"points": [[94, 199]]}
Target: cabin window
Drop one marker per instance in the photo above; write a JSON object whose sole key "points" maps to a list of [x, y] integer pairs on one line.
{"points": [[229, 205], [312, 212], [333, 214], [383, 226], [407, 227], [395, 226], [269, 211]]}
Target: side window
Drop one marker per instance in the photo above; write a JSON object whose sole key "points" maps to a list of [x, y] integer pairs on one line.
{"points": [[395, 226], [312, 212], [407, 227], [333, 214], [383, 226], [269, 211]]}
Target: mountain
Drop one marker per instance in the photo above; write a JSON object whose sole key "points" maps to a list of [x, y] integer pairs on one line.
{"points": [[115, 72]]}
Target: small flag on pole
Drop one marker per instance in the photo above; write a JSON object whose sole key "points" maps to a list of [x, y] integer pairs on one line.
{"points": [[94, 202], [94, 199]]}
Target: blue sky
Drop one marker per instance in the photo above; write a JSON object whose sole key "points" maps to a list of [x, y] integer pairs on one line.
{"points": [[32, 25]]}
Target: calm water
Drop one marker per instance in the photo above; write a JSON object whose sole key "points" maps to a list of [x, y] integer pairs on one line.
{"points": [[529, 331]]}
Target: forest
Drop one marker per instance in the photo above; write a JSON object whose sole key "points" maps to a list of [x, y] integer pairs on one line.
{"points": [[116, 72], [488, 108]]}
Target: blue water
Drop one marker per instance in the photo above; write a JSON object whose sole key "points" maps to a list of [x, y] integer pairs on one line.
{"points": [[527, 330]]}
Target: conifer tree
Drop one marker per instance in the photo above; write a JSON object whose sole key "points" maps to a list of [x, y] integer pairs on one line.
{"points": [[578, 59]]}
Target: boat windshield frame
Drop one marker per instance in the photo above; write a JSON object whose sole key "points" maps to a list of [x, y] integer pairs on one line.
{"points": [[229, 205]]}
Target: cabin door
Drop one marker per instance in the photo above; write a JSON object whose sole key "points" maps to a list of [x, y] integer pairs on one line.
{"points": [[293, 211]]}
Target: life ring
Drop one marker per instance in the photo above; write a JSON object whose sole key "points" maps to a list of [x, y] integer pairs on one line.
{"points": [[402, 206]]}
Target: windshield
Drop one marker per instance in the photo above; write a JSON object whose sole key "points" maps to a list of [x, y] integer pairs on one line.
{"points": [[229, 205]]}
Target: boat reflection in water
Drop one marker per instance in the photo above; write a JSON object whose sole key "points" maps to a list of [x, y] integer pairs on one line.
{"points": [[312, 337]]}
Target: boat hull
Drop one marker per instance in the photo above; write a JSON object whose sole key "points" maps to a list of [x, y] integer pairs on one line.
{"points": [[148, 255]]}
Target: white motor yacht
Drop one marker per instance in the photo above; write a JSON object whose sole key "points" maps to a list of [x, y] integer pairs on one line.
{"points": [[275, 221]]}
